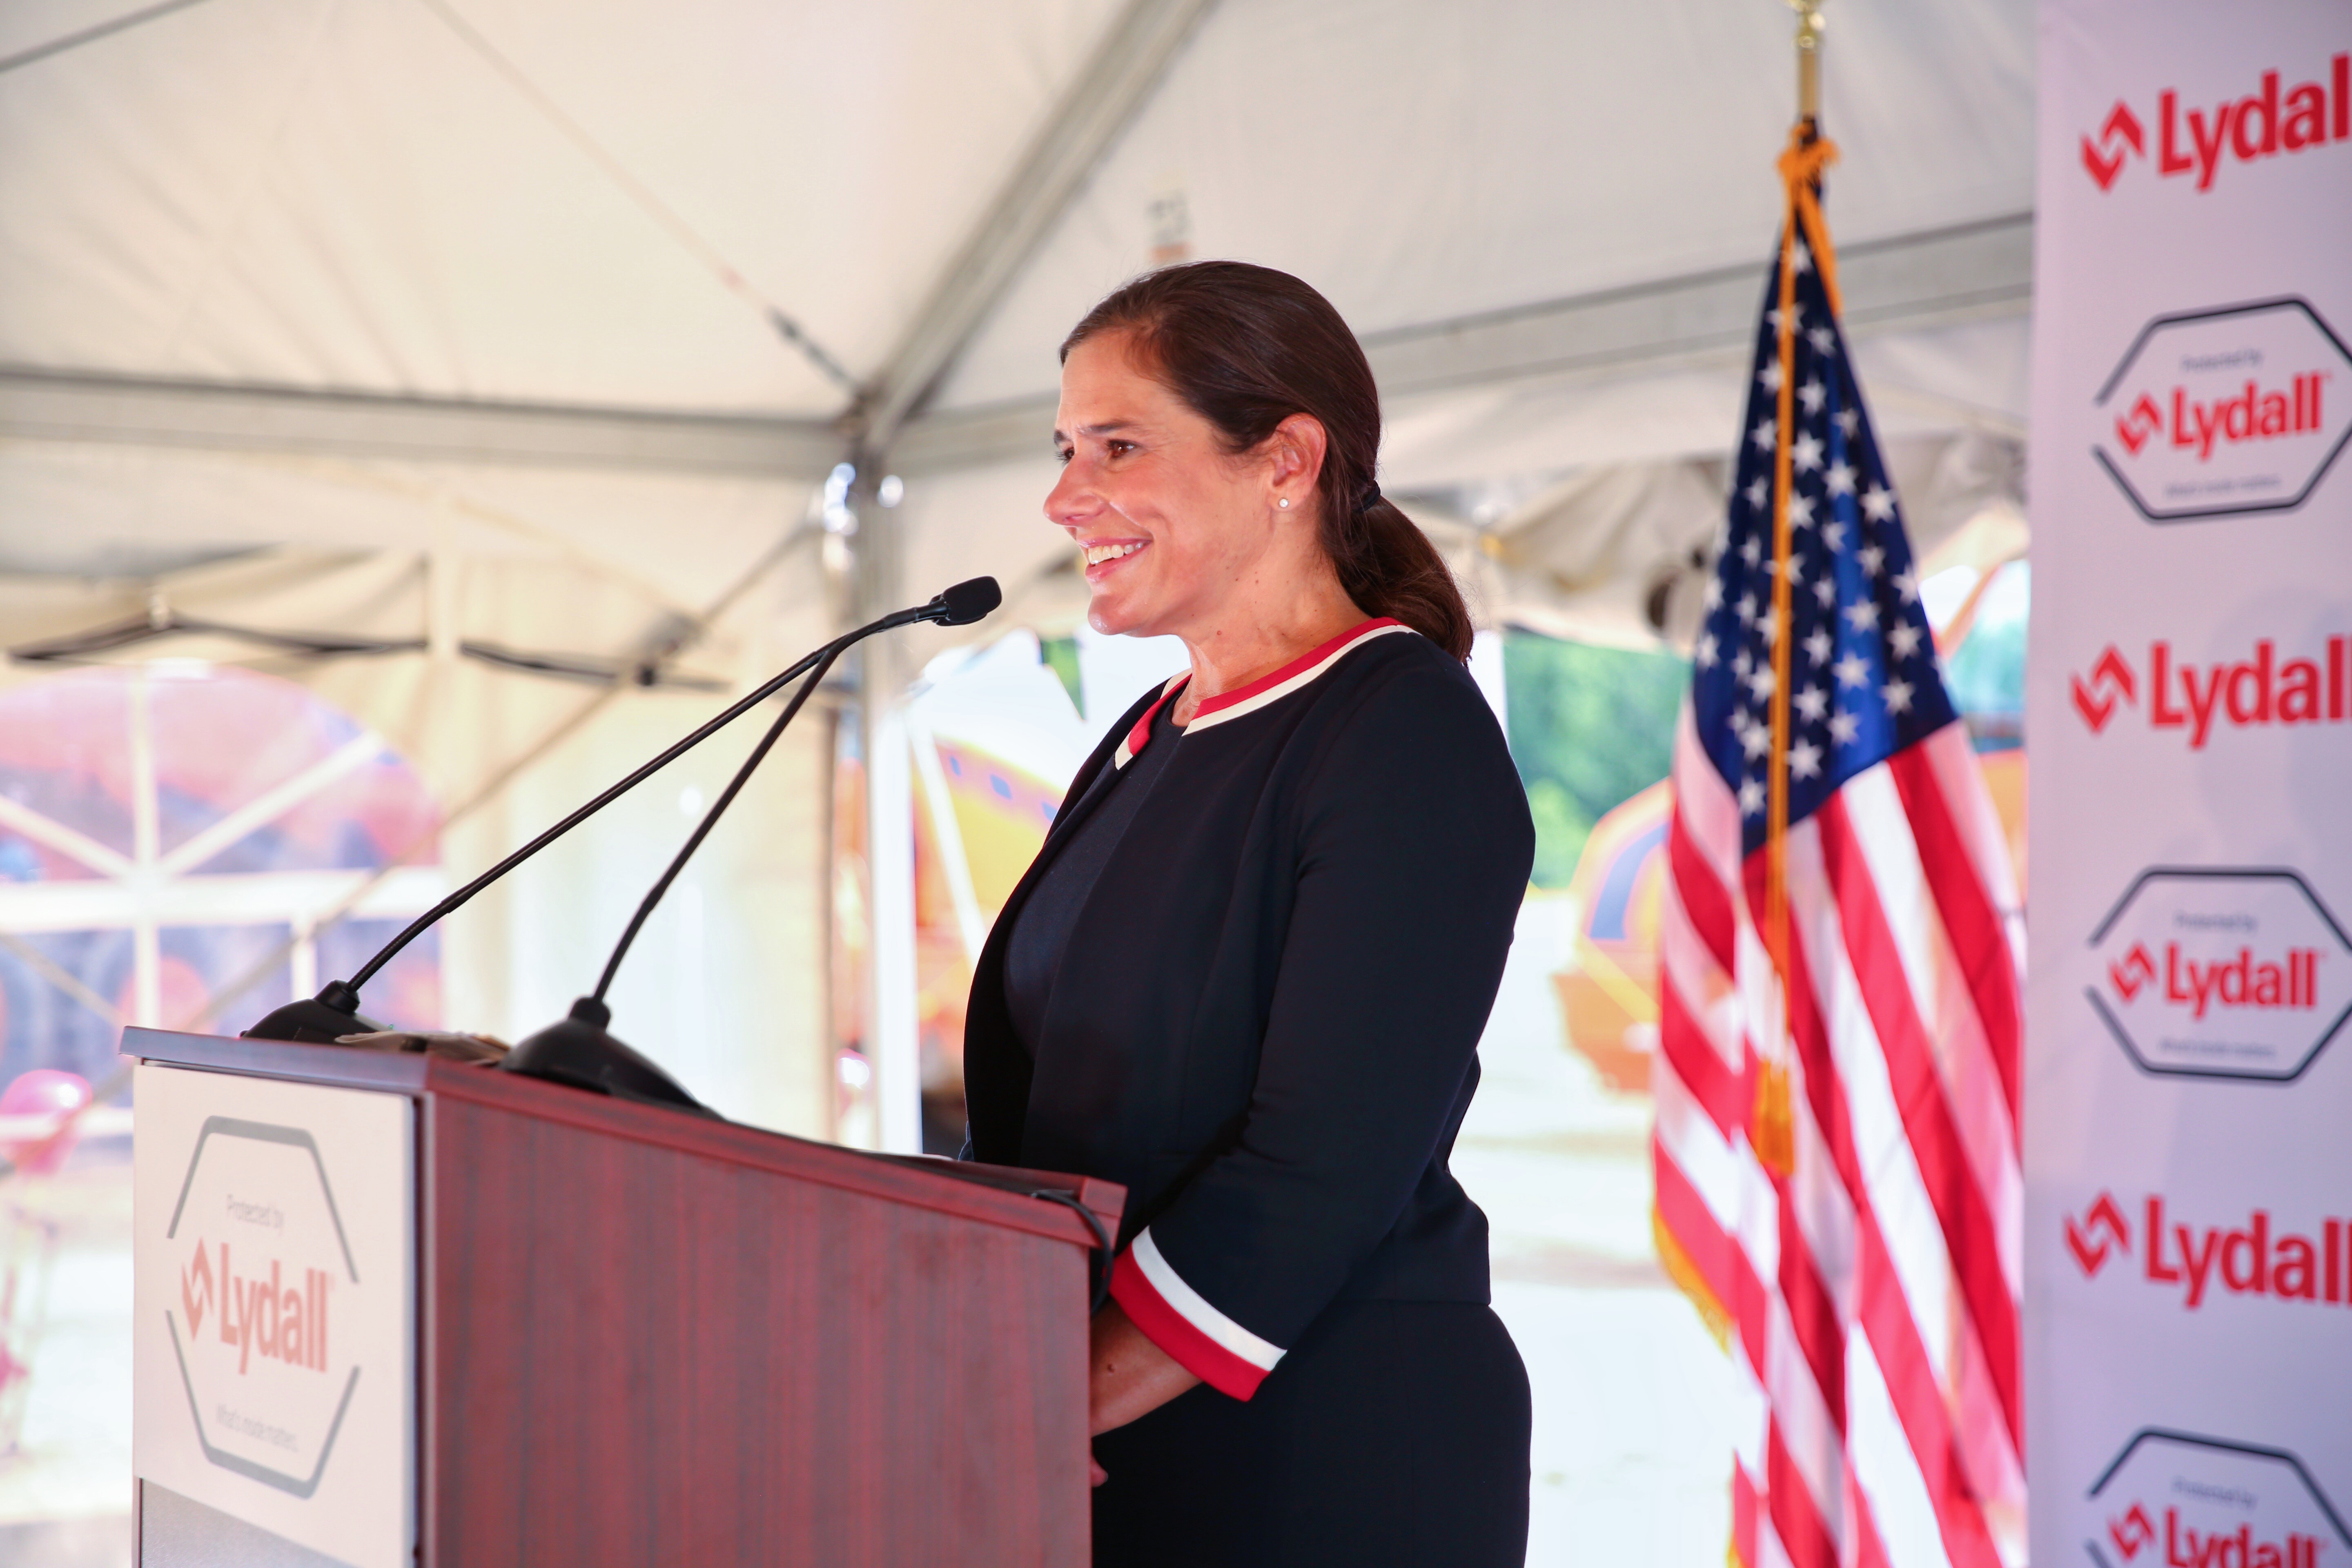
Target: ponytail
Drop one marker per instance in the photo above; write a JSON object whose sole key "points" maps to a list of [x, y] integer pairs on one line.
{"points": [[1389, 568], [1246, 347]]}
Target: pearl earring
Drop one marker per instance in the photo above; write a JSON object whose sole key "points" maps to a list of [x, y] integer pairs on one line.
{"points": [[1284, 503]]}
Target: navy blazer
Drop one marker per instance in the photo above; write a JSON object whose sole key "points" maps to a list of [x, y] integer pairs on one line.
{"points": [[1265, 1022]]}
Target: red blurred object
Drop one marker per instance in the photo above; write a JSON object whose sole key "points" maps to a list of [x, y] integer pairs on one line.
{"points": [[44, 1091], [29, 1239]]}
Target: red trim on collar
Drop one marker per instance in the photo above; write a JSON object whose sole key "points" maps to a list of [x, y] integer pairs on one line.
{"points": [[1140, 736], [1295, 668], [1257, 693]]}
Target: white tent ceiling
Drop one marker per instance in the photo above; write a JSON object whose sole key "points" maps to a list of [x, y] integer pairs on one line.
{"points": [[505, 200], [400, 228], [500, 321], [517, 285], [1427, 164], [606, 286]]}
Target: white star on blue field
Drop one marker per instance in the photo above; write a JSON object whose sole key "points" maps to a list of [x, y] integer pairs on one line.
{"points": [[1862, 677]]}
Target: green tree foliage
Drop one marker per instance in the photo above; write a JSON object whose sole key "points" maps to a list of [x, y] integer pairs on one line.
{"points": [[1060, 655], [1590, 727], [1985, 674]]}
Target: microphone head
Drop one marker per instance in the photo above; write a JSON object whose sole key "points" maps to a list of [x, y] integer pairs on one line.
{"points": [[968, 602]]}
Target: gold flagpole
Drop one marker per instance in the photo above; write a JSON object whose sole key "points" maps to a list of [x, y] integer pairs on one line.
{"points": [[1773, 1132], [1809, 58]]}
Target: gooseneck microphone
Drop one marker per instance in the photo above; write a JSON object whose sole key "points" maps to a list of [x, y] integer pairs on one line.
{"points": [[334, 1010], [578, 1048]]}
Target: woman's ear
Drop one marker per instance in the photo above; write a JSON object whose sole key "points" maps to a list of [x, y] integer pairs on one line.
{"points": [[1294, 453]]}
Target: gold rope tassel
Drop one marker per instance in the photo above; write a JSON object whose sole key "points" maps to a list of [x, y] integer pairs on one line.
{"points": [[1774, 1133], [1772, 1125]]}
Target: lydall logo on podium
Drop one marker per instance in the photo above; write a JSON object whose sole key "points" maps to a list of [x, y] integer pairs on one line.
{"points": [[252, 1325], [291, 1320], [2183, 1500], [273, 1339], [2221, 972], [2221, 412]]}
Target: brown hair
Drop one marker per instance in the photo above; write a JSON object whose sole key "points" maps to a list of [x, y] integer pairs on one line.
{"points": [[1246, 347]]}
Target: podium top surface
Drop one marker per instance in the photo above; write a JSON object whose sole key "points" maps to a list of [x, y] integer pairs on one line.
{"points": [[990, 1194]]}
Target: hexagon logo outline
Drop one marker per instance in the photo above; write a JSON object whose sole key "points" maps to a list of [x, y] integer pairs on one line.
{"points": [[2141, 424], [2143, 1531], [2142, 971], [296, 1137]]}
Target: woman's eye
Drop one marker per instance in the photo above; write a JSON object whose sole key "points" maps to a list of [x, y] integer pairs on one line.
{"points": [[1118, 449]]}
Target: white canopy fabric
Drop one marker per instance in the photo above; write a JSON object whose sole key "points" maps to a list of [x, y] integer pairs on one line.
{"points": [[540, 326], [1424, 163], [504, 199]]}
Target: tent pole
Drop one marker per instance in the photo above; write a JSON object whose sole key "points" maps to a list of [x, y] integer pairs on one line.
{"points": [[1135, 52], [1102, 100], [893, 1023], [228, 417]]}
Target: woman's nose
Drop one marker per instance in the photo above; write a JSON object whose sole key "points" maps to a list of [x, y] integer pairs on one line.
{"points": [[1071, 498]]}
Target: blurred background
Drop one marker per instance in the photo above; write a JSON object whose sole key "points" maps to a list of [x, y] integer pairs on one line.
{"points": [[413, 413]]}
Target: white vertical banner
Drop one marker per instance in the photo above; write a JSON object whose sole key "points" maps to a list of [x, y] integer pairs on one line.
{"points": [[2188, 1175]]}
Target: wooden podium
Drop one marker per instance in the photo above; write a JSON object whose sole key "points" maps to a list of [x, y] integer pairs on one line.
{"points": [[635, 1336]]}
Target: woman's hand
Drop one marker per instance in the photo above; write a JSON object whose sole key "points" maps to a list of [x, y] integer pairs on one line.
{"points": [[1129, 1376]]}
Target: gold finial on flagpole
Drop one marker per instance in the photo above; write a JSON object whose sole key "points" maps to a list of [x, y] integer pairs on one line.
{"points": [[1809, 58]]}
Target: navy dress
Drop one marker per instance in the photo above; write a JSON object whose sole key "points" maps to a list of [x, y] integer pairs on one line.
{"points": [[1246, 978]]}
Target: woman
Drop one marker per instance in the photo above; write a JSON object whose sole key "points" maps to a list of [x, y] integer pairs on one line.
{"points": [[1247, 974]]}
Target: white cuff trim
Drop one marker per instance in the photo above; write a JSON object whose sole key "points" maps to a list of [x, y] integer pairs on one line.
{"points": [[1188, 1305]]}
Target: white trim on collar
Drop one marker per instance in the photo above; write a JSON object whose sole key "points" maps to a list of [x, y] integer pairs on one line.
{"points": [[1300, 672], [1267, 688]]}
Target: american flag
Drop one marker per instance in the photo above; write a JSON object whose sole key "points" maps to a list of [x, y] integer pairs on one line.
{"points": [[1837, 1152]]}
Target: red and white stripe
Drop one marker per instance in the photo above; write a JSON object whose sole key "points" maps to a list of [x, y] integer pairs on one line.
{"points": [[1265, 690], [1869, 1297], [1180, 1320]]}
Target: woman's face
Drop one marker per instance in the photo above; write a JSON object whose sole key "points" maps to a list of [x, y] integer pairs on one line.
{"points": [[1171, 526]]}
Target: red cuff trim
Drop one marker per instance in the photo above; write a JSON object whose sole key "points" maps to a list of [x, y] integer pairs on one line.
{"points": [[1194, 1351]]}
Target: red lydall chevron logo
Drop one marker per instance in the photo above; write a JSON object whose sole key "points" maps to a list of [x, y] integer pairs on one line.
{"points": [[2089, 1247], [2135, 970], [2105, 159], [2131, 1532], [2096, 702], [2144, 419]]}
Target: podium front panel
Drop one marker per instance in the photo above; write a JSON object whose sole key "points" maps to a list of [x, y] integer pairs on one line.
{"points": [[274, 1298]]}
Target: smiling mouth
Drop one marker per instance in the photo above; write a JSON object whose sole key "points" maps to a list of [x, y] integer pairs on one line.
{"points": [[1096, 554]]}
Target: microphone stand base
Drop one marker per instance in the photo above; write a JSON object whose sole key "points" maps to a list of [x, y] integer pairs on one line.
{"points": [[578, 1052], [312, 1020]]}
